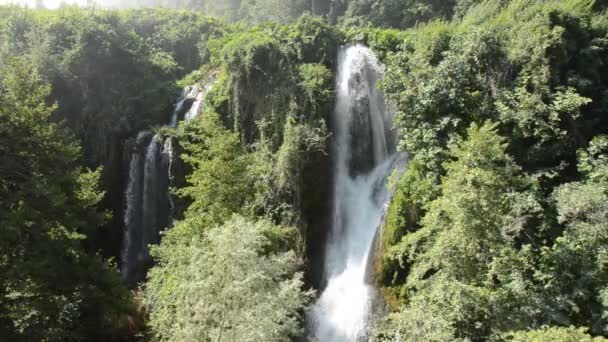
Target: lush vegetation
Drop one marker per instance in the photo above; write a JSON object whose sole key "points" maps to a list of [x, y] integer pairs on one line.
{"points": [[50, 288], [69, 78], [499, 223], [112, 74], [260, 143], [498, 230], [225, 283]]}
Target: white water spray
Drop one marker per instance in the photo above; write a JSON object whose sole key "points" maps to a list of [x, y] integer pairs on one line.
{"points": [[365, 157]]}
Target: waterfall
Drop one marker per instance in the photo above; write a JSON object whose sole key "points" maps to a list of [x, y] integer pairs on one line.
{"points": [[180, 105], [149, 206], [365, 157], [199, 98], [150, 199], [168, 158], [132, 214]]}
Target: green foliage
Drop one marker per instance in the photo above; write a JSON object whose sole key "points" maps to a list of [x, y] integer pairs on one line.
{"points": [[593, 161], [396, 13], [438, 313], [225, 286], [553, 334], [286, 188], [50, 288], [490, 254], [252, 153], [412, 191], [574, 267], [493, 233], [249, 11], [220, 183], [473, 206], [111, 72], [382, 41], [256, 83], [279, 11], [180, 34], [271, 71], [315, 82], [274, 90], [529, 66], [455, 287]]}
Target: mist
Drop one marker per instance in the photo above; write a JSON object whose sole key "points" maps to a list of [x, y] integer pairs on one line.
{"points": [[250, 11], [54, 4]]}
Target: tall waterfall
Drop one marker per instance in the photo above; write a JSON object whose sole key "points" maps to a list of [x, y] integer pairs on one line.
{"points": [[364, 158], [148, 204]]}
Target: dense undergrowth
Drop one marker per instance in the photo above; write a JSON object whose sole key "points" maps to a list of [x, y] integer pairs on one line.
{"points": [[497, 231]]}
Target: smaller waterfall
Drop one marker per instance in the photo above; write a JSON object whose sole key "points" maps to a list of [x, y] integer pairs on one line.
{"points": [[151, 196], [132, 214], [149, 206], [199, 97], [179, 106], [192, 96]]}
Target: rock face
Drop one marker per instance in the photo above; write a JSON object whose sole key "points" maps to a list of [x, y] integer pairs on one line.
{"points": [[369, 143]]}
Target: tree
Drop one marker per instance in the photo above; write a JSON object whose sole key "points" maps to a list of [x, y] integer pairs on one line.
{"points": [[474, 206], [50, 288], [397, 13], [220, 183], [575, 267], [553, 334], [453, 289], [227, 285], [280, 11]]}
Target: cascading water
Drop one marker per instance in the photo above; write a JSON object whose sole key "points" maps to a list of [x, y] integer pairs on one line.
{"points": [[364, 158], [132, 214], [154, 197], [199, 97], [149, 205], [168, 157]]}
